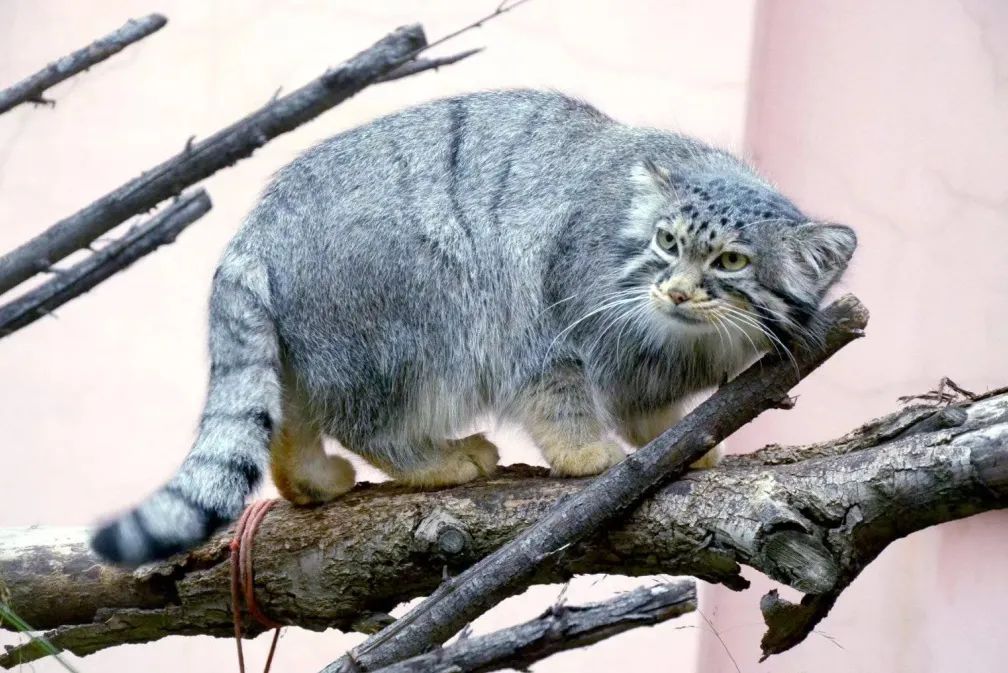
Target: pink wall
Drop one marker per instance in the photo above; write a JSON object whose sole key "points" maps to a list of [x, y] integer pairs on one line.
{"points": [[99, 405], [893, 118]]}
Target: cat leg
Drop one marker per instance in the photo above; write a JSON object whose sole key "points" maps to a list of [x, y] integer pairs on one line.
{"points": [[447, 463], [302, 471], [563, 421], [641, 429]]}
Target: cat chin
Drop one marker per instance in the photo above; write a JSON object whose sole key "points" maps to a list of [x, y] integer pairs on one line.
{"points": [[698, 328], [678, 320], [677, 323]]}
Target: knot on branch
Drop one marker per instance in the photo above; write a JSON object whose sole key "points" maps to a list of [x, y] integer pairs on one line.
{"points": [[441, 534]]}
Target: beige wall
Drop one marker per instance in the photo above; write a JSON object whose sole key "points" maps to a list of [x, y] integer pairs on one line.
{"points": [[99, 405], [895, 121]]}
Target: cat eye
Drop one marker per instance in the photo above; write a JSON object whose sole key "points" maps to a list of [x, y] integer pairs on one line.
{"points": [[731, 261], [666, 241]]}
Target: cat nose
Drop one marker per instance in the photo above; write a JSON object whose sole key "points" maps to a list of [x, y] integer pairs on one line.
{"points": [[677, 296]]}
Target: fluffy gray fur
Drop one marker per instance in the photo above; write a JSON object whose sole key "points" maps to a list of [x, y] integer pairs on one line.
{"points": [[502, 253]]}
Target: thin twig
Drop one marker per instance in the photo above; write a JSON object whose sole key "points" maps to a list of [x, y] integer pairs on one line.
{"points": [[502, 8], [30, 89], [947, 392], [421, 64], [140, 240], [36, 643], [415, 65]]}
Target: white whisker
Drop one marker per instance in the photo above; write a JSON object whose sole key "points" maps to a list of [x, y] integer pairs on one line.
{"points": [[611, 304], [753, 321], [728, 319]]}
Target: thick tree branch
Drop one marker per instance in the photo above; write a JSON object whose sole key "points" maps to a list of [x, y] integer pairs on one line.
{"points": [[461, 599], [560, 628], [811, 517], [202, 159], [140, 240], [30, 89]]}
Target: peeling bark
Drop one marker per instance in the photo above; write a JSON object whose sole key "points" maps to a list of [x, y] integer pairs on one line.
{"points": [[811, 517]]}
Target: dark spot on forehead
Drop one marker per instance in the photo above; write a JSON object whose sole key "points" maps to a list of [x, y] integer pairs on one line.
{"points": [[733, 201], [711, 237]]}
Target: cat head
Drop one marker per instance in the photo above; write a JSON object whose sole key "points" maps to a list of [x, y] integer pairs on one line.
{"points": [[724, 253]]}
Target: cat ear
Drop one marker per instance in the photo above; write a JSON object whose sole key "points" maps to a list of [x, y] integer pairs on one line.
{"points": [[650, 177], [651, 193], [823, 250]]}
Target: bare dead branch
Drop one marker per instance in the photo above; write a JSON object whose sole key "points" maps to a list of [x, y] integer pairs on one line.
{"points": [[560, 628], [421, 64], [140, 240], [206, 157], [30, 89], [811, 517], [463, 598]]}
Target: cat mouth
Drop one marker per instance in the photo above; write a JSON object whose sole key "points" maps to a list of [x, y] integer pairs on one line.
{"points": [[694, 316]]}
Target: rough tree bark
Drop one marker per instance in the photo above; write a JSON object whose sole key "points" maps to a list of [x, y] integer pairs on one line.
{"points": [[810, 517]]}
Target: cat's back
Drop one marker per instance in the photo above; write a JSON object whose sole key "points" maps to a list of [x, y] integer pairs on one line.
{"points": [[412, 165], [447, 192], [429, 207]]}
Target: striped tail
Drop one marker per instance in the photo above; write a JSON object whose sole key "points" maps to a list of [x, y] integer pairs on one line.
{"points": [[231, 451]]}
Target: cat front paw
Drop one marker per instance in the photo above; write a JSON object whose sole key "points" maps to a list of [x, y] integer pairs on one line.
{"points": [[584, 461]]}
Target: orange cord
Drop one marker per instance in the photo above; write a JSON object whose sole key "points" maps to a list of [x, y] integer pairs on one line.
{"points": [[242, 580]]}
